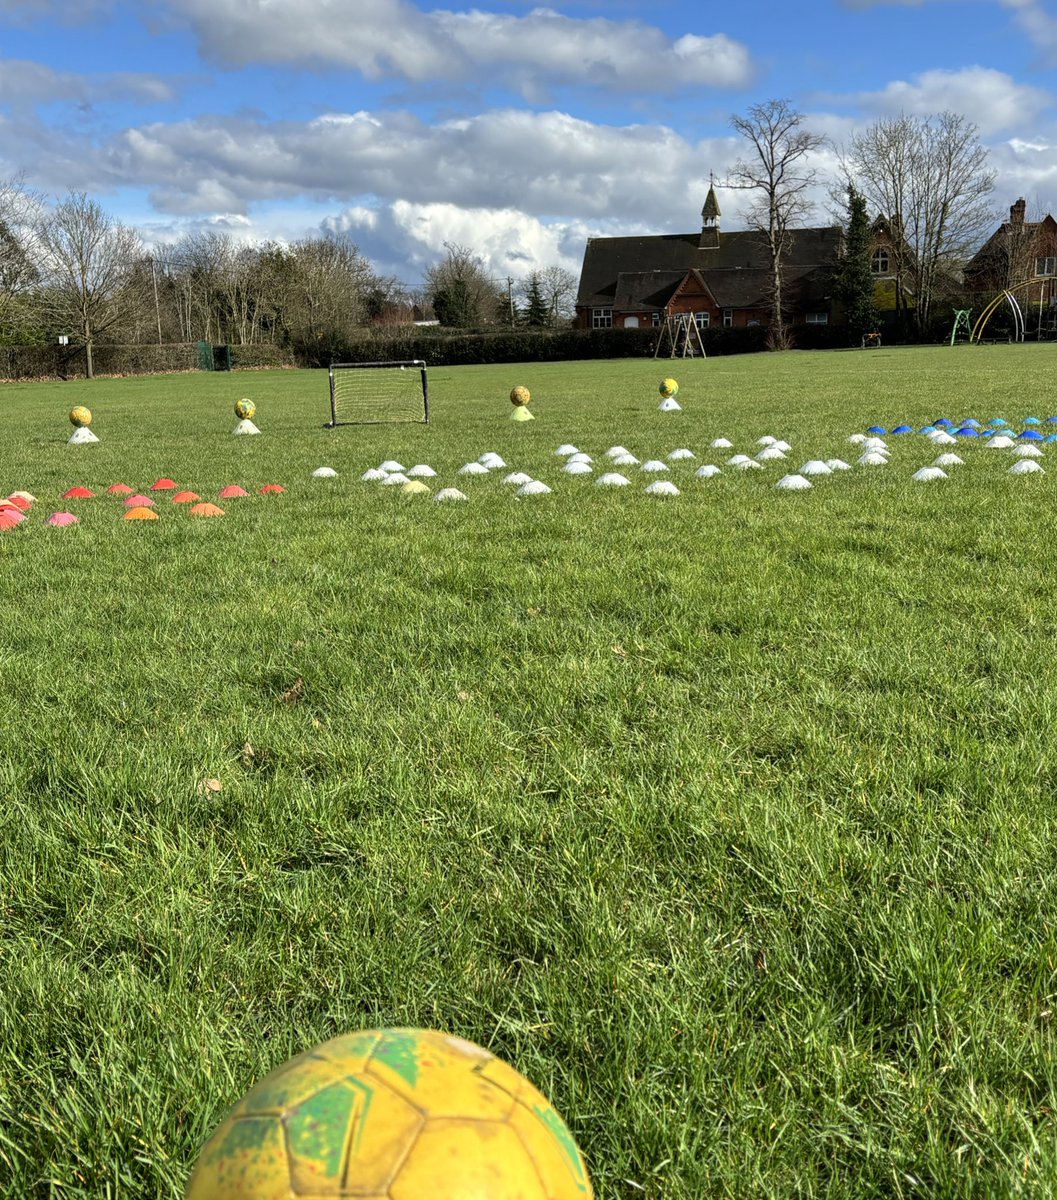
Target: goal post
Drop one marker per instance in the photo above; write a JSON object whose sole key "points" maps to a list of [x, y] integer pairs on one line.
{"points": [[372, 393]]}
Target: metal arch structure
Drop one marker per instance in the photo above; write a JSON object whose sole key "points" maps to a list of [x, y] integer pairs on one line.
{"points": [[961, 324], [1007, 296]]}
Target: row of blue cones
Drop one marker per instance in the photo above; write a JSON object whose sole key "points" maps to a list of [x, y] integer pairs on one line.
{"points": [[973, 428]]}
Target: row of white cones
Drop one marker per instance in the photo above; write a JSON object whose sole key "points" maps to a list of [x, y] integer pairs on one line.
{"points": [[875, 453]]}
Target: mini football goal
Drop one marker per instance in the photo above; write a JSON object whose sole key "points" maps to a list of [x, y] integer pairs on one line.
{"points": [[374, 392]]}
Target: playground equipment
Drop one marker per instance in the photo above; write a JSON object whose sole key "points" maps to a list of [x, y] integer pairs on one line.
{"points": [[961, 324], [1045, 284], [682, 335]]}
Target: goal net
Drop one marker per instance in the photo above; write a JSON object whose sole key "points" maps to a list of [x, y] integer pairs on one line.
{"points": [[373, 392]]}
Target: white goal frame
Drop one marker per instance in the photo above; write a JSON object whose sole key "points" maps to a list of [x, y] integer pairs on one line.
{"points": [[414, 364]]}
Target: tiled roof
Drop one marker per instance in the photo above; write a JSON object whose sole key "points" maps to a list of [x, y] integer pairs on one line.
{"points": [[737, 272]]}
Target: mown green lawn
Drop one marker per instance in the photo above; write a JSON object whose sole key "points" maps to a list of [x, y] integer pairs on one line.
{"points": [[728, 818]]}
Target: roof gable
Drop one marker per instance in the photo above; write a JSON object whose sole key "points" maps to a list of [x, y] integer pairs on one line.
{"points": [[997, 245]]}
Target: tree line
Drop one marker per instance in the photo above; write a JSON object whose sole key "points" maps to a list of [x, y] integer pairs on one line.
{"points": [[69, 268]]}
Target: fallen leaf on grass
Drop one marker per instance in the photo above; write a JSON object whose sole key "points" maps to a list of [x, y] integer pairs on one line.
{"points": [[210, 786], [294, 692], [248, 755]]}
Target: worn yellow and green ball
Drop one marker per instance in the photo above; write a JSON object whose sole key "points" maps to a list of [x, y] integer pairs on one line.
{"points": [[81, 416], [520, 396], [244, 409], [668, 388], [392, 1114]]}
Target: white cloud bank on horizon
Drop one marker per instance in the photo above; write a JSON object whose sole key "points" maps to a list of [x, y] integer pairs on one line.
{"points": [[509, 242]]}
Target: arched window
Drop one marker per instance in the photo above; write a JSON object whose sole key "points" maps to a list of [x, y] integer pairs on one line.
{"points": [[879, 262]]}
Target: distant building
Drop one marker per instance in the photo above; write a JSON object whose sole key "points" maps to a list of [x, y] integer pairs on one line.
{"points": [[1018, 253], [721, 278]]}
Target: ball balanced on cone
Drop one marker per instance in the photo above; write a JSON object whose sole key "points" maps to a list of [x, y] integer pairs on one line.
{"points": [[668, 388], [399, 1113], [519, 398], [80, 417], [244, 409]]}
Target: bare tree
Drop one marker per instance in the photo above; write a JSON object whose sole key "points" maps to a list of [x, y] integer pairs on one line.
{"points": [[779, 176], [331, 284], [928, 176], [87, 267], [558, 287], [195, 266]]}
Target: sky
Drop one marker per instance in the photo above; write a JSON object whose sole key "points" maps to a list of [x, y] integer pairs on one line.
{"points": [[517, 131]]}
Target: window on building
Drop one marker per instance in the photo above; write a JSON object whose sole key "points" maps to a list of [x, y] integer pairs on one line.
{"points": [[817, 318], [1046, 266], [656, 318], [879, 262], [601, 318], [728, 318], [701, 319]]}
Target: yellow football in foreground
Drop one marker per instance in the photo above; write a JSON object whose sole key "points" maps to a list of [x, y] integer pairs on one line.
{"points": [[520, 395], [392, 1114], [244, 409], [668, 387], [80, 416]]}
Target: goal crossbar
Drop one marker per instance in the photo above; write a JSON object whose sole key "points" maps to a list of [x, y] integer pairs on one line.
{"points": [[375, 393]]}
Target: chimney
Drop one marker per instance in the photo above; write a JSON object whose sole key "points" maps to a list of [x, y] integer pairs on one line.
{"points": [[1016, 212], [710, 215]]}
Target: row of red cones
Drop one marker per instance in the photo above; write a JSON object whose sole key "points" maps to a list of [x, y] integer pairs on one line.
{"points": [[14, 508], [122, 489]]}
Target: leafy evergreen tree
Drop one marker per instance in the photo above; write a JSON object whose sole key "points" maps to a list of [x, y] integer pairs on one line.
{"points": [[854, 278], [455, 305], [535, 314]]}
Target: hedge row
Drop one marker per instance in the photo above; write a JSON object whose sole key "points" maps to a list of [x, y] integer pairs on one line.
{"points": [[441, 348], [68, 362], [256, 357], [456, 349]]}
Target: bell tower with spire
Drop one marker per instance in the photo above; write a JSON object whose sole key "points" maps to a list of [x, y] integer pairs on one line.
{"points": [[710, 215]]}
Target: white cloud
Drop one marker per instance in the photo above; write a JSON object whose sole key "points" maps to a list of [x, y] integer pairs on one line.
{"points": [[1028, 169], [24, 83], [393, 38], [1037, 23], [550, 164], [991, 99], [403, 237]]}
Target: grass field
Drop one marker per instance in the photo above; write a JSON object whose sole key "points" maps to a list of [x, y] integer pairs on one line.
{"points": [[729, 818]]}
